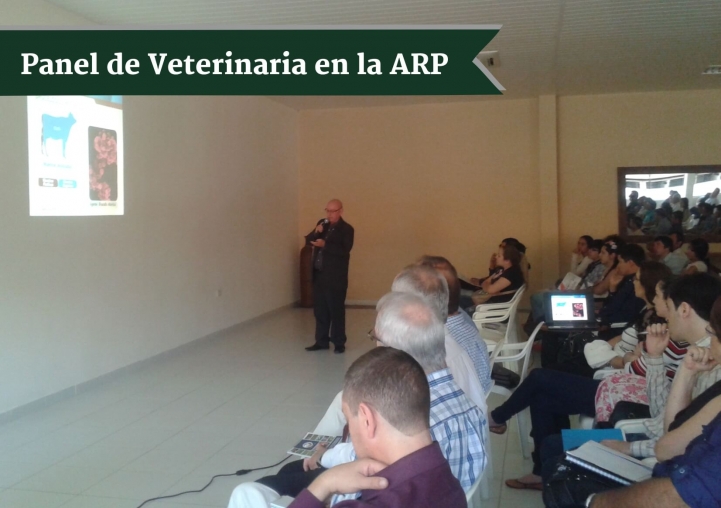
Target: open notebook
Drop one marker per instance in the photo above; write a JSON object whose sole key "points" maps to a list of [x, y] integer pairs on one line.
{"points": [[609, 463]]}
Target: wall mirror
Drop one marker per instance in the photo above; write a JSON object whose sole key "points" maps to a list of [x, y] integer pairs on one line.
{"points": [[658, 200]]}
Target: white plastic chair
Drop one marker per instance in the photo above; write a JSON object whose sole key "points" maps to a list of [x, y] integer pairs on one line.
{"points": [[483, 307], [483, 483], [522, 358], [472, 495], [636, 427], [604, 373], [498, 313]]}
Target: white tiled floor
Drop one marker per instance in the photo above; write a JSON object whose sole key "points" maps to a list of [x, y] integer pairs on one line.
{"points": [[230, 403]]}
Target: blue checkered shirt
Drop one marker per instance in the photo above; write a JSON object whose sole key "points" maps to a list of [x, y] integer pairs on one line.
{"points": [[464, 331], [459, 427]]}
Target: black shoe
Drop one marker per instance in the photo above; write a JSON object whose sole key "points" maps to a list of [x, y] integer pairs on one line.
{"points": [[316, 347], [339, 349]]}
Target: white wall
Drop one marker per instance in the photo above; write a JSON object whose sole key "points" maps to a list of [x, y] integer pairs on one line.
{"points": [[599, 133], [211, 190], [37, 12], [424, 179]]}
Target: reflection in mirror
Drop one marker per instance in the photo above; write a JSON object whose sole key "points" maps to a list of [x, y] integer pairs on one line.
{"points": [[661, 203]]}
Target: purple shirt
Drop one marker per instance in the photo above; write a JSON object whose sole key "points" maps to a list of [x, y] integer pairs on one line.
{"points": [[422, 479]]}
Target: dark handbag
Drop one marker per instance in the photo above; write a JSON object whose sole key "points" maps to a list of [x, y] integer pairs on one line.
{"points": [[505, 377], [571, 349], [569, 486], [625, 410]]}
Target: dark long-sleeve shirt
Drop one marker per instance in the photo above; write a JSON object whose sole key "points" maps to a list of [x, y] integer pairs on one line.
{"points": [[336, 252], [422, 479], [622, 306]]}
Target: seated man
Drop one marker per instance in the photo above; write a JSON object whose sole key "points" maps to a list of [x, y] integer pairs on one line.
{"points": [[459, 325], [691, 479], [386, 400], [407, 322], [429, 284], [662, 250]]}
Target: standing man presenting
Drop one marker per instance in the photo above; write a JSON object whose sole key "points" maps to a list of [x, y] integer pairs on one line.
{"points": [[332, 241]]}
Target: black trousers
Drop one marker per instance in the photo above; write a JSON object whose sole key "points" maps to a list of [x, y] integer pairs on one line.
{"points": [[291, 479], [552, 396], [329, 309]]}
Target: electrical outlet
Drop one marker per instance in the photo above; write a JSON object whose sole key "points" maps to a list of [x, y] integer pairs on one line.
{"points": [[490, 59]]}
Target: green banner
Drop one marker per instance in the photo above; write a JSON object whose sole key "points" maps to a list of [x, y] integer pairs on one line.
{"points": [[317, 61]]}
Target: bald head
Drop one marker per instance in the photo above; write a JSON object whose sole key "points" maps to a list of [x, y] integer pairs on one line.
{"points": [[334, 210]]}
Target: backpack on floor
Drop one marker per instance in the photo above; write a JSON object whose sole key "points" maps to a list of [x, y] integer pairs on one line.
{"points": [[571, 348], [569, 485]]}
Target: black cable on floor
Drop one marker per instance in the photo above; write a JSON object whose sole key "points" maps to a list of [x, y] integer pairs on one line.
{"points": [[239, 472]]}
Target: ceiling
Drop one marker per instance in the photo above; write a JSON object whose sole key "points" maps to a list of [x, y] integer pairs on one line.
{"points": [[562, 47]]}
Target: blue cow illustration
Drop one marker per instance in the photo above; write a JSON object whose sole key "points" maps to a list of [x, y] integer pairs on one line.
{"points": [[56, 127]]}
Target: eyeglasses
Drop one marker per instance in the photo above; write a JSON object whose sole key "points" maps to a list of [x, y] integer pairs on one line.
{"points": [[372, 336], [333, 211]]}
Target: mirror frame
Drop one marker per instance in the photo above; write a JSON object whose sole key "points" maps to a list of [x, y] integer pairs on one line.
{"points": [[646, 170]]}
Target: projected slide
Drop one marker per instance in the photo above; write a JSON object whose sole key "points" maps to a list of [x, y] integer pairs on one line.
{"points": [[75, 155]]}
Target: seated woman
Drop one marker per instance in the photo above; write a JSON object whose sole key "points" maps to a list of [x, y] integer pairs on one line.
{"points": [[546, 392], [579, 256], [596, 269], [697, 254], [609, 259], [507, 280], [622, 305], [474, 284], [684, 416], [698, 372], [630, 384], [493, 268]]}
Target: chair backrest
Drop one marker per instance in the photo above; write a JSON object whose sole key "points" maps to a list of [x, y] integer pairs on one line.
{"points": [[512, 328], [528, 350], [497, 349], [519, 293], [525, 350], [471, 499]]}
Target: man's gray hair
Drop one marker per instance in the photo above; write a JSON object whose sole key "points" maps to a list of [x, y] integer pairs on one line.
{"points": [[426, 282], [408, 322]]}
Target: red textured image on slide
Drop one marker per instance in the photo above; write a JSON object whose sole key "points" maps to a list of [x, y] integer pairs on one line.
{"points": [[103, 144]]}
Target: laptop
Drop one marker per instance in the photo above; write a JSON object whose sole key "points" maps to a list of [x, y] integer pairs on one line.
{"points": [[569, 310]]}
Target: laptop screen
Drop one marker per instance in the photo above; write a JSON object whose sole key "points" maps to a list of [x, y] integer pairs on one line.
{"points": [[569, 307]]}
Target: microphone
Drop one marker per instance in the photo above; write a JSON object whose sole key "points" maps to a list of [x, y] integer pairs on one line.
{"points": [[324, 223]]}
